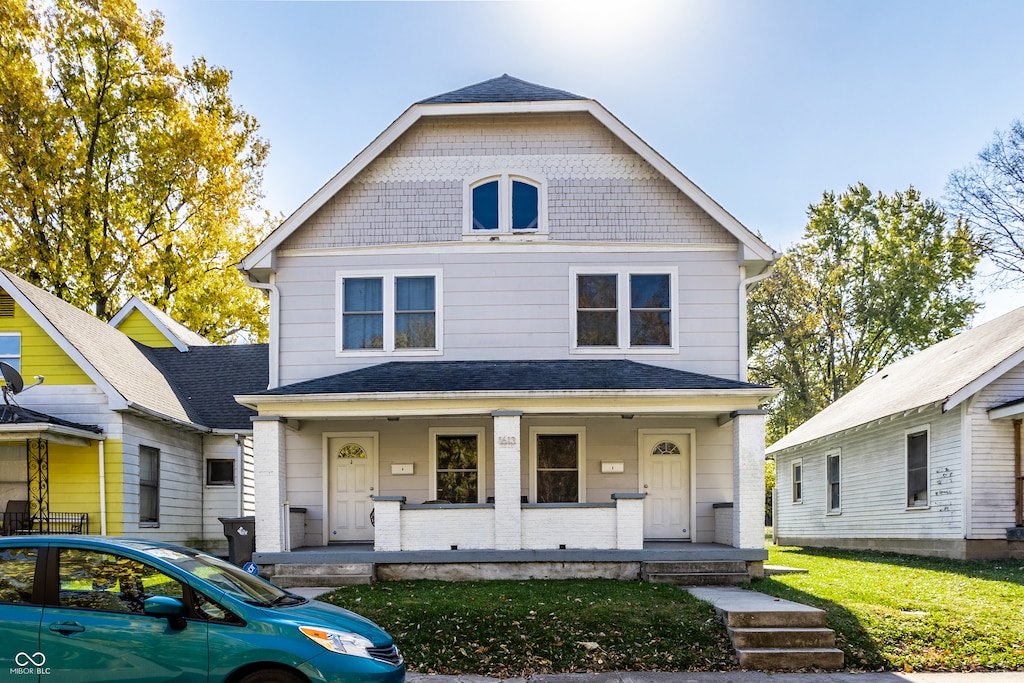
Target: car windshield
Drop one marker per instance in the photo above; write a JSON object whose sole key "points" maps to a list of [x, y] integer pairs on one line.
{"points": [[227, 577]]}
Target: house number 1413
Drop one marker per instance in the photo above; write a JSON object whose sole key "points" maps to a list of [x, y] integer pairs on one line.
{"points": [[507, 441]]}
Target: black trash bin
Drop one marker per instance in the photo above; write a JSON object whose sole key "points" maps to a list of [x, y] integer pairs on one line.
{"points": [[241, 535]]}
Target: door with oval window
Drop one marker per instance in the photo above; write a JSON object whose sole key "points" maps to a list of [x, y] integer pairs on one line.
{"points": [[666, 481], [352, 474]]}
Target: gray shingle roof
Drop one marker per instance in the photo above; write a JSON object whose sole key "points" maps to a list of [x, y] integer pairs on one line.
{"points": [[505, 88], [530, 375], [108, 350], [15, 414], [207, 379], [929, 376]]}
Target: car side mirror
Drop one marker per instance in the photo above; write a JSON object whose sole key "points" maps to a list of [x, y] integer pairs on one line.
{"points": [[166, 607]]}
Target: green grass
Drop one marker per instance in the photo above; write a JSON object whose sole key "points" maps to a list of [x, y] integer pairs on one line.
{"points": [[519, 628], [890, 612], [906, 613]]}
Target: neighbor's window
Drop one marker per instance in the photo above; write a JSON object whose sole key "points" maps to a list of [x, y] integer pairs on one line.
{"points": [[149, 486], [602, 323], [10, 350], [558, 471], [458, 468], [504, 204], [917, 469], [220, 472], [798, 481], [389, 313], [833, 474]]}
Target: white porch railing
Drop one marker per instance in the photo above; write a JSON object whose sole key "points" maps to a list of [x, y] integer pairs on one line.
{"points": [[402, 527]]}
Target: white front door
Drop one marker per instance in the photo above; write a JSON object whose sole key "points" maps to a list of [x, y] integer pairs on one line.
{"points": [[666, 481], [352, 474]]}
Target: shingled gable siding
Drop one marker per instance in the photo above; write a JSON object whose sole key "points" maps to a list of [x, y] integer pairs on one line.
{"points": [[874, 485], [597, 188], [992, 472]]}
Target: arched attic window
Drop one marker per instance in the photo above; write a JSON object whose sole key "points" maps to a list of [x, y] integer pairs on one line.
{"points": [[505, 204]]}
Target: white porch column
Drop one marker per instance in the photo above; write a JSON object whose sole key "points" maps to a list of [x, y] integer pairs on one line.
{"points": [[748, 479], [508, 521], [271, 490], [629, 520], [387, 523]]}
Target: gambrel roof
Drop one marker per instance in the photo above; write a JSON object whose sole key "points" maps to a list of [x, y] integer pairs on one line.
{"points": [[948, 373], [508, 95]]}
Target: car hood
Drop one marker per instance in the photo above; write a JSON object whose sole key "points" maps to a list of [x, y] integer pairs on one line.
{"points": [[319, 613]]}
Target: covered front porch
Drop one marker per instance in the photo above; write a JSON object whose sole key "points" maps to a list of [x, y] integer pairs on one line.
{"points": [[562, 477]]}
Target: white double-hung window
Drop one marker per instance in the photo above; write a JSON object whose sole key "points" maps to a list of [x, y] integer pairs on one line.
{"points": [[389, 313], [624, 310]]}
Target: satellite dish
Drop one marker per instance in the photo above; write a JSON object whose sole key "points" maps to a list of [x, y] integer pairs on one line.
{"points": [[15, 384]]}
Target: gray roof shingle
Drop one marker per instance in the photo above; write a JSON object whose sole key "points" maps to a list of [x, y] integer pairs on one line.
{"points": [[528, 375], [207, 379], [505, 88]]}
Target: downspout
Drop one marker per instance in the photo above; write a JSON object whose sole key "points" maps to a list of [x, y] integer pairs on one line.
{"points": [[275, 298], [103, 490], [239, 473], [1018, 471], [745, 284]]}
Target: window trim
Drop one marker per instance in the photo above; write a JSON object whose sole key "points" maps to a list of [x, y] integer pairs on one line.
{"points": [[221, 484], [389, 277], [150, 523], [7, 357], [481, 457], [581, 455], [926, 430], [623, 301], [797, 482], [504, 229], [833, 507]]}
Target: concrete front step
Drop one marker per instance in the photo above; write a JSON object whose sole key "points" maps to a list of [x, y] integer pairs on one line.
{"points": [[771, 633], [748, 638], [790, 659], [695, 573]]}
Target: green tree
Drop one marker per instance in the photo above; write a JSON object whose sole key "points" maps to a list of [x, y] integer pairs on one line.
{"points": [[121, 173], [769, 490], [874, 278], [990, 194]]}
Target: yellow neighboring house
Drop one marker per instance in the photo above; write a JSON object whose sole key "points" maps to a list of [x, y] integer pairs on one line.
{"points": [[128, 428]]}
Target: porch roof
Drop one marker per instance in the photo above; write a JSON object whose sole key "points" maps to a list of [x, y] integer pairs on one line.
{"points": [[20, 424], [496, 376]]}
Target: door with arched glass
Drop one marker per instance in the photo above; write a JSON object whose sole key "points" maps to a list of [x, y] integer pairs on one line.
{"points": [[665, 478], [352, 478]]}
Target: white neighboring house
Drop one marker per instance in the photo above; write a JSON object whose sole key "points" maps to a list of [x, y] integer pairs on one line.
{"points": [[924, 457], [508, 325]]}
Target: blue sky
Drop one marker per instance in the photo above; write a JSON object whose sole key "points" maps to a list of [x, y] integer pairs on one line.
{"points": [[764, 104]]}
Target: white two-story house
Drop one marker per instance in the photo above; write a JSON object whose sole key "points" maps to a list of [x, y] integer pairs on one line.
{"points": [[509, 330]]}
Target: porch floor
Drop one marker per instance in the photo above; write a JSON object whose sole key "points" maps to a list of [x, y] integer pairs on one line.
{"points": [[653, 551]]}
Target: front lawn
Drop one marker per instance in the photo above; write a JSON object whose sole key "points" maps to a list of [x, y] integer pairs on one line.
{"points": [[910, 613], [518, 628], [889, 612]]}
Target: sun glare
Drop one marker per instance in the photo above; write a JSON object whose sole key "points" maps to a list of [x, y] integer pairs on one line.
{"points": [[596, 22]]}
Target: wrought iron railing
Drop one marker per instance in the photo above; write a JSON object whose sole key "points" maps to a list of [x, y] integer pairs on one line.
{"points": [[63, 523]]}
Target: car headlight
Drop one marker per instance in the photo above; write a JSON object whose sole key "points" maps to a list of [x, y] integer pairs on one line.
{"points": [[341, 642]]}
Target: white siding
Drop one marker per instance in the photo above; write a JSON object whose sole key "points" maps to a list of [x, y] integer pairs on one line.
{"points": [[220, 501], [181, 481], [992, 470], [873, 484], [510, 305]]}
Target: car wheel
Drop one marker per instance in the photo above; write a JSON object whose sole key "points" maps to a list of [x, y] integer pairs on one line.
{"points": [[273, 676]]}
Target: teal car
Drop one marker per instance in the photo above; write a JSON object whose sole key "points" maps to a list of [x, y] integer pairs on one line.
{"points": [[102, 609]]}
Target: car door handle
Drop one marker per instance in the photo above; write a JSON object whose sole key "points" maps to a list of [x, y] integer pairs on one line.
{"points": [[66, 627]]}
